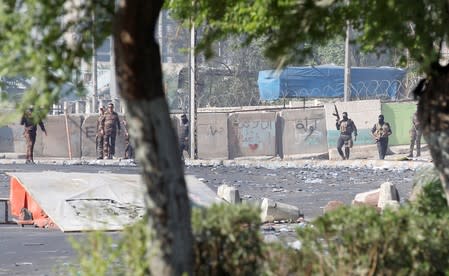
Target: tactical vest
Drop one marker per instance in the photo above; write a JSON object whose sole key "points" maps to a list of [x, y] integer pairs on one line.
{"points": [[346, 127], [381, 130]]}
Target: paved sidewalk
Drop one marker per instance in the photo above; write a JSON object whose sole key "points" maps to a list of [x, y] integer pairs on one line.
{"points": [[397, 160]]}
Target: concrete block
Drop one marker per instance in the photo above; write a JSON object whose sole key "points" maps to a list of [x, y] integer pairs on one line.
{"points": [[302, 131], [370, 198], [332, 206], [387, 193], [252, 134], [271, 211], [88, 136], [212, 135], [12, 139], [56, 144], [229, 194]]}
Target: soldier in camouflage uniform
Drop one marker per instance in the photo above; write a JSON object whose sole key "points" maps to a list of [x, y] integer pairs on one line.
{"points": [[111, 126], [30, 132], [184, 135], [99, 140], [380, 132], [346, 127], [129, 150], [415, 136]]}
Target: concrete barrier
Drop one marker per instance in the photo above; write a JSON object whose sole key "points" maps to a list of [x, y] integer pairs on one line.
{"points": [[56, 143], [302, 132], [272, 210], [11, 138], [212, 135], [252, 134], [88, 136]]}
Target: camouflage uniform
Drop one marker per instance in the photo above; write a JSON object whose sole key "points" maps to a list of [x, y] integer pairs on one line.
{"points": [[129, 150], [99, 139], [346, 127], [381, 133], [30, 134], [110, 124], [415, 136]]}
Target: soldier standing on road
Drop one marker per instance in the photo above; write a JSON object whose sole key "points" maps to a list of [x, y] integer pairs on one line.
{"points": [[129, 150], [99, 141], [30, 132], [111, 127], [346, 127], [380, 132], [184, 135], [415, 136]]}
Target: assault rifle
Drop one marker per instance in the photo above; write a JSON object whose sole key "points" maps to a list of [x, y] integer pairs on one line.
{"points": [[336, 114]]}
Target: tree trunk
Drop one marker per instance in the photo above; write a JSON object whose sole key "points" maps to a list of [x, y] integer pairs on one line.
{"points": [[433, 114], [139, 76]]}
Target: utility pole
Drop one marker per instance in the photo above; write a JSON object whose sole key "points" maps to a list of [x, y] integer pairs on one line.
{"points": [[347, 80], [113, 82], [94, 67], [347, 76], [193, 136]]}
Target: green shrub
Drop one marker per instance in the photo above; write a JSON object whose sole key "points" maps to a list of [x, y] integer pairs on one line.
{"points": [[359, 241], [101, 254], [227, 240], [430, 198]]}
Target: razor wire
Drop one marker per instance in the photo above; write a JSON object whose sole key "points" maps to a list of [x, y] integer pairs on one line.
{"points": [[223, 96]]}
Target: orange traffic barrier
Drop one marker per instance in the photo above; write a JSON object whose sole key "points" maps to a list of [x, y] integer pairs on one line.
{"points": [[24, 208]]}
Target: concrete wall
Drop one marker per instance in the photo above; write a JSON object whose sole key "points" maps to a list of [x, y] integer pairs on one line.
{"points": [[302, 131], [399, 115], [252, 134], [212, 135], [363, 113], [56, 143], [235, 134]]}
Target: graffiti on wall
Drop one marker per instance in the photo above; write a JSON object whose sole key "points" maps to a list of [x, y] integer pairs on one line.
{"points": [[213, 130], [90, 131], [253, 135], [307, 131]]}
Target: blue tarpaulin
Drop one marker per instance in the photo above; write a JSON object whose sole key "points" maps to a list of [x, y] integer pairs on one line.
{"points": [[327, 81]]}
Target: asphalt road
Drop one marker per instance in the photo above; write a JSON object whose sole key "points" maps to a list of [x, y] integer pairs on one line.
{"points": [[32, 251]]}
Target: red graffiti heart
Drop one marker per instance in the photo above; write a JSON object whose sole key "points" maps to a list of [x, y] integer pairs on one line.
{"points": [[253, 146]]}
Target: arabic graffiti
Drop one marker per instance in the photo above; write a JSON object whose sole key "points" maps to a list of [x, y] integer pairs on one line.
{"points": [[307, 131]]}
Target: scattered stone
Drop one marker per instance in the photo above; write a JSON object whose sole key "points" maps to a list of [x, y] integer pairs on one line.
{"points": [[313, 181], [275, 211], [229, 194], [295, 245], [271, 238], [332, 206]]}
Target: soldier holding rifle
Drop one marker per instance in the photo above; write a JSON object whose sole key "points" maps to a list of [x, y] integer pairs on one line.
{"points": [[380, 132], [346, 127]]}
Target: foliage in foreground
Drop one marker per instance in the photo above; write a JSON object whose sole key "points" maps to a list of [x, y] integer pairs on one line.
{"points": [[413, 240], [227, 242]]}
